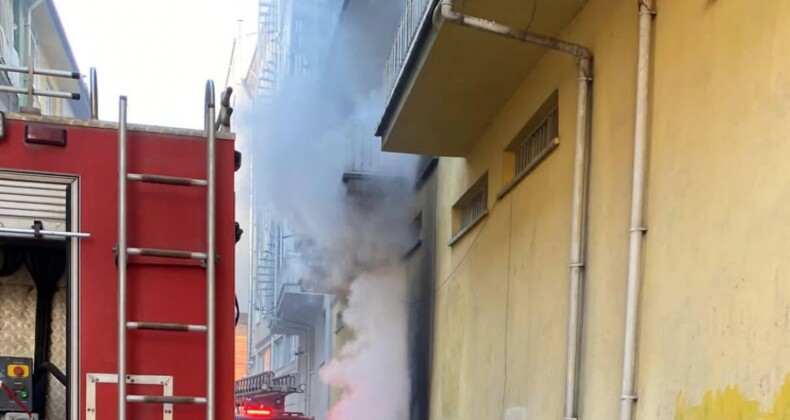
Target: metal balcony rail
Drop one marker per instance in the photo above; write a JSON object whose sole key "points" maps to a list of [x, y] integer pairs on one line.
{"points": [[415, 12]]}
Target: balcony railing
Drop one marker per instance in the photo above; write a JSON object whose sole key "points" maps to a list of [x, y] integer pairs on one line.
{"points": [[414, 14], [363, 151]]}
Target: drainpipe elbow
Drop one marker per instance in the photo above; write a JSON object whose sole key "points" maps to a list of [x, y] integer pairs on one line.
{"points": [[584, 59], [447, 12], [582, 53]]}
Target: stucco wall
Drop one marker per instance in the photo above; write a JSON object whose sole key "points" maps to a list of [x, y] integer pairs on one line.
{"points": [[715, 311]]}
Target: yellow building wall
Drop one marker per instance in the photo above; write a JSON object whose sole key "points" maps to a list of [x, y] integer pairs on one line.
{"points": [[717, 293], [715, 315]]}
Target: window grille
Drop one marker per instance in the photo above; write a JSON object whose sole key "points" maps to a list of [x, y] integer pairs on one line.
{"points": [[536, 145], [474, 209], [470, 208]]}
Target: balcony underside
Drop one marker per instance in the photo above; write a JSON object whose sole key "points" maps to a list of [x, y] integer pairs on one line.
{"points": [[296, 306], [460, 78]]}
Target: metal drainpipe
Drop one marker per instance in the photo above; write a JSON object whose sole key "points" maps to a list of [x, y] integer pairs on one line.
{"points": [[308, 331], [578, 241], [328, 345], [252, 264], [580, 182], [638, 226], [308, 370]]}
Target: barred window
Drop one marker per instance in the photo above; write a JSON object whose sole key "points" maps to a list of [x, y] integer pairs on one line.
{"points": [[537, 144], [474, 209], [538, 138], [470, 209]]}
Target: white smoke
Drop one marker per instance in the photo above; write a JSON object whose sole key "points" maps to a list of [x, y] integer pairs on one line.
{"points": [[360, 238], [372, 369], [306, 142]]}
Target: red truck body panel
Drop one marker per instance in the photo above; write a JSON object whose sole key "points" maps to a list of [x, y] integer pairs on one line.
{"points": [[160, 216]]}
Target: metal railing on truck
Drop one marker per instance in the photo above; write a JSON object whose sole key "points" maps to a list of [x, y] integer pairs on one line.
{"points": [[265, 383]]}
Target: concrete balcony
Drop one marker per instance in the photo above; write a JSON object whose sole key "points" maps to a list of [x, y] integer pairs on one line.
{"points": [[446, 83], [299, 297], [298, 304]]}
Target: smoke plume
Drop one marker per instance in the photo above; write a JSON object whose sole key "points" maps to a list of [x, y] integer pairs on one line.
{"points": [[320, 168], [372, 368]]}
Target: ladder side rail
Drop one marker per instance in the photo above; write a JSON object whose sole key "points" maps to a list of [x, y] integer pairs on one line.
{"points": [[122, 258], [211, 133]]}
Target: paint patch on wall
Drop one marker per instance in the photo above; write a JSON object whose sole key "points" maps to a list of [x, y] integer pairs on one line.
{"points": [[516, 413], [731, 404]]}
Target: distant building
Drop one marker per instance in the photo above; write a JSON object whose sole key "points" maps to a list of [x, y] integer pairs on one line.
{"points": [[240, 348], [288, 323], [51, 51]]}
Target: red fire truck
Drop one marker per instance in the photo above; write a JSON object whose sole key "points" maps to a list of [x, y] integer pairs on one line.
{"points": [[116, 266], [263, 397]]}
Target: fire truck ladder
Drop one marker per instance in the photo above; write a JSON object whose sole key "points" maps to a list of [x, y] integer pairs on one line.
{"points": [[208, 257], [266, 385]]}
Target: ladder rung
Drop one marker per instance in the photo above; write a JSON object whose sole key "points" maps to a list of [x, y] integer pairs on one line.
{"points": [[166, 253], [168, 180], [160, 326], [159, 399]]}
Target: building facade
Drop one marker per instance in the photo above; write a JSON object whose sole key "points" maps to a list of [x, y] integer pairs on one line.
{"points": [[289, 320], [669, 307], [51, 50]]}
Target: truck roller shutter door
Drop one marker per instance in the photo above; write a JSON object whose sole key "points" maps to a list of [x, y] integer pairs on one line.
{"points": [[24, 202]]}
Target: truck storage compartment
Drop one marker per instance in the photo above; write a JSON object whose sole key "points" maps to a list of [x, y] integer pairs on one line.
{"points": [[33, 327]]}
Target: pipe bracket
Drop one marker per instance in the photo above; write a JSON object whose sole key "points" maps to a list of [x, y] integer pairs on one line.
{"points": [[644, 9], [629, 397], [577, 265], [642, 229]]}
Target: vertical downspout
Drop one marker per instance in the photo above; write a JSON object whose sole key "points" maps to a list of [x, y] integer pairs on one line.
{"points": [[309, 371], [328, 346], [273, 225], [638, 226], [251, 286], [580, 182], [308, 360], [578, 241], [253, 220]]}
